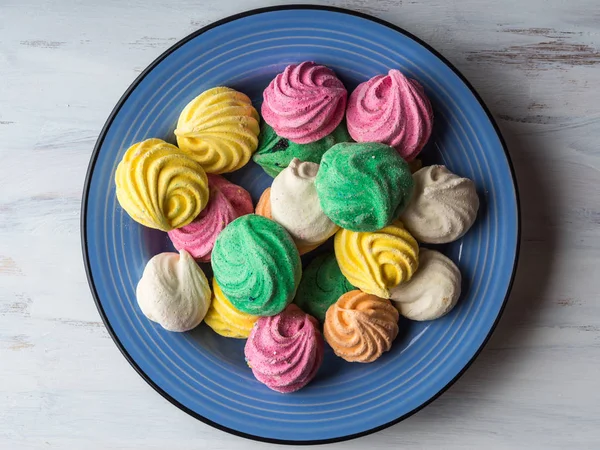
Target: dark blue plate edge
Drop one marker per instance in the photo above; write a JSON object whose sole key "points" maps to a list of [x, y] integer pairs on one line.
{"points": [[86, 189]]}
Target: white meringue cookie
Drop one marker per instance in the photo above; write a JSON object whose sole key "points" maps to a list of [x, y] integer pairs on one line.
{"points": [[295, 205], [443, 207], [173, 291], [432, 291]]}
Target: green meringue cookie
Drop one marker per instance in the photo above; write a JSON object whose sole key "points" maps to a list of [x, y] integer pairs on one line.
{"points": [[257, 265], [363, 186], [321, 285], [275, 153]]}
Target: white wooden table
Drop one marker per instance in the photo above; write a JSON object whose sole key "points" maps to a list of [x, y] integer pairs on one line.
{"points": [[63, 66]]}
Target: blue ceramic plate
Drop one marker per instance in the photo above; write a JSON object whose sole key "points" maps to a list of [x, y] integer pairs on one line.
{"points": [[205, 374]]}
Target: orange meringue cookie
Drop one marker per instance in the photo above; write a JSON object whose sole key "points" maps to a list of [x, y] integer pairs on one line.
{"points": [[359, 327]]}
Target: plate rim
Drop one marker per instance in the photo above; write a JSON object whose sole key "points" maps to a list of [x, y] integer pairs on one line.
{"points": [[96, 152]]}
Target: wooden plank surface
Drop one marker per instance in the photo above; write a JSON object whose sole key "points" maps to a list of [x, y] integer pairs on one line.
{"points": [[63, 66]]}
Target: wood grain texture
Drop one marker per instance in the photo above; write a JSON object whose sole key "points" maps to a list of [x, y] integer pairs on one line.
{"points": [[64, 64]]}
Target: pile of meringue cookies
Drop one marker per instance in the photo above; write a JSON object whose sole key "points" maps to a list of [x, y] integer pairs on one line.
{"points": [[342, 169]]}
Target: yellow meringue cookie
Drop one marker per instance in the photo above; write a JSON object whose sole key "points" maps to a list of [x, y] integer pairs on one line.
{"points": [[219, 129], [225, 319], [377, 261], [159, 186]]}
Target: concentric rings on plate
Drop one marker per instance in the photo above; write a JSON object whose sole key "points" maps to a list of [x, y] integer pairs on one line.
{"points": [[205, 374]]}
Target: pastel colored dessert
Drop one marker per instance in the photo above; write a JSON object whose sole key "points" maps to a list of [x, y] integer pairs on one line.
{"points": [[285, 351], [376, 262], [173, 291], [321, 285], [295, 205], [391, 109], [432, 292], [275, 152], [263, 208], [360, 327], [304, 103], [225, 319], [160, 186], [256, 265], [219, 129], [227, 202], [443, 208], [363, 186]]}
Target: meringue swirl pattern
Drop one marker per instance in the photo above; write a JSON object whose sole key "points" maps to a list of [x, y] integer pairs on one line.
{"points": [[285, 351], [391, 109], [225, 319], [160, 186], [443, 208], [219, 129], [295, 205], [360, 327], [227, 202], [363, 186], [377, 261], [432, 292], [257, 265], [173, 291], [304, 103]]}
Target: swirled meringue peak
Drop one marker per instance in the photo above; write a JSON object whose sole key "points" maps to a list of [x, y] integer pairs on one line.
{"points": [[227, 202], [376, 262], [295, 205], [363, 186], [173, 291], [391, 109], [225, 319], [257, 265], [432, 292], [275, 152], [360, 327], [219, 129], [321, 285], [159, 186], [304, 103], [443, 208], [285, 351]]}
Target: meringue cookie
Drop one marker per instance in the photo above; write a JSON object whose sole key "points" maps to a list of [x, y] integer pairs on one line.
{"points": [[225, 319], [160, 186], [257, 265], [443, 208], [295, 205], [219, 129], [393, 110], [173, 291], [363, 187], [275, 152], [376, 262], [432, 292], [227, 202], [321, 285], [360, 327], [285, 351], [263, 208], [304, 103]]}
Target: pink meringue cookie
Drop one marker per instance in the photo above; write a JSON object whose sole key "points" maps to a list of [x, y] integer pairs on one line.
{"points": [[304, 103], [227, 202], [285, 351], [393, 110]]}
